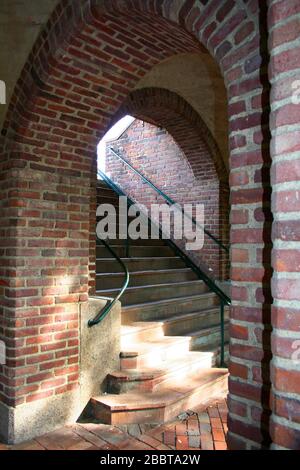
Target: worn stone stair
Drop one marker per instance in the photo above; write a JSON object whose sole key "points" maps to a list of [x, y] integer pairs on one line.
{"points": [[170, 334], [164, 404]]}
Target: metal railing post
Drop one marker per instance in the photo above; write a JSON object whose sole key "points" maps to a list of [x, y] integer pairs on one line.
{"points": [[127, 245], [222, 352]]}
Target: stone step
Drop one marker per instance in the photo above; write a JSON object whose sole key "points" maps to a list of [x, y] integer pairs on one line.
{"points": [[162, 405], [165, 308], [217, 354], [143, 278], [204, 340], [135, 251], [149, 379], [208, 338], [146, 346], [110, 265], [141, 331], [137, 295], [183, 324], [153, 352], [186, 323]]}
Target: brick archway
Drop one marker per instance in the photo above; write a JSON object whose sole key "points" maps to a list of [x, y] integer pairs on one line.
{"points": [[81, 69], [169, 111]]}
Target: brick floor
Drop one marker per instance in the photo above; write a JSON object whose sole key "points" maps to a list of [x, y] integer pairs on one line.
{"points": [[203, 429]]}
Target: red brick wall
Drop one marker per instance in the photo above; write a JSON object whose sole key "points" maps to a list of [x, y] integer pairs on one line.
{"points": [[157, 156], [82, 68], [284, 73], [60, 110]]}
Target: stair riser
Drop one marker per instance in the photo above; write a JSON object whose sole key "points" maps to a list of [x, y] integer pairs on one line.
{"points": [[158, 357], [226, 357], [141, 335], [115, 281], [107, 193], [120, 386], [153, 312], [106, 190], [198, 397], [132, 243], [211, 341], [120, 232], [185, 325], [178, 327], [108, 200], [150, 294], [154, 415], [121, 226], [135, 251], [134, 265]]}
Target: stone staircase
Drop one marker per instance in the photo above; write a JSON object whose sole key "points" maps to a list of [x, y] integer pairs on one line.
{"points": [[170, 334]]}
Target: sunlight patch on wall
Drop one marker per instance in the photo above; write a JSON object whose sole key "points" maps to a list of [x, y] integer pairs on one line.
{"points": [[114, 133]]}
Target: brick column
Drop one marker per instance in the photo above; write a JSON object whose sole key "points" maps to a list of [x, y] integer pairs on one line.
{"points": [[249, 382], [284, 71], [44, 248]]}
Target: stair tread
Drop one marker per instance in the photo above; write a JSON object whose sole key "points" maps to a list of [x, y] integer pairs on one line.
{"points": [[160, 322], [139, 326], [163, 397], [169, 300], [139, 258], [168, 284], [183, 315], [143, 346], [139, 246], [204, 330], [147, 272], [173, 364]]}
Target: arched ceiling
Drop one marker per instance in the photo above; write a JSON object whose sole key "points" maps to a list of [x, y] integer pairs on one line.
{"points": [[194, 77], [170, 111], [197, 79]]}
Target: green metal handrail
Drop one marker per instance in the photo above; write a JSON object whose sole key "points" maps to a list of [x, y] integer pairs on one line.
{"points": [[169, 200], [107, 308], [224, 299]]}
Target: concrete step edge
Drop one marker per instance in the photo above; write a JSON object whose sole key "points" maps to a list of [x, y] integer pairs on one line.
{"points": [[141, 401]]}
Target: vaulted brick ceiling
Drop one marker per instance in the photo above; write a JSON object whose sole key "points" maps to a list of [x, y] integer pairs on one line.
{"points": [[65, 100]]}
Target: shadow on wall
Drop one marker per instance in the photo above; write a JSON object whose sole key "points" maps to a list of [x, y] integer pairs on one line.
{"points": [[266, 297]]}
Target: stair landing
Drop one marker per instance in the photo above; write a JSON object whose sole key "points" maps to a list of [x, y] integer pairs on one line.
{"points": [[164, 404]]}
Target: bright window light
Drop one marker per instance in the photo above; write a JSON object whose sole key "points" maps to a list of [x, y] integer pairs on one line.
{"points": [[113, 134]]}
